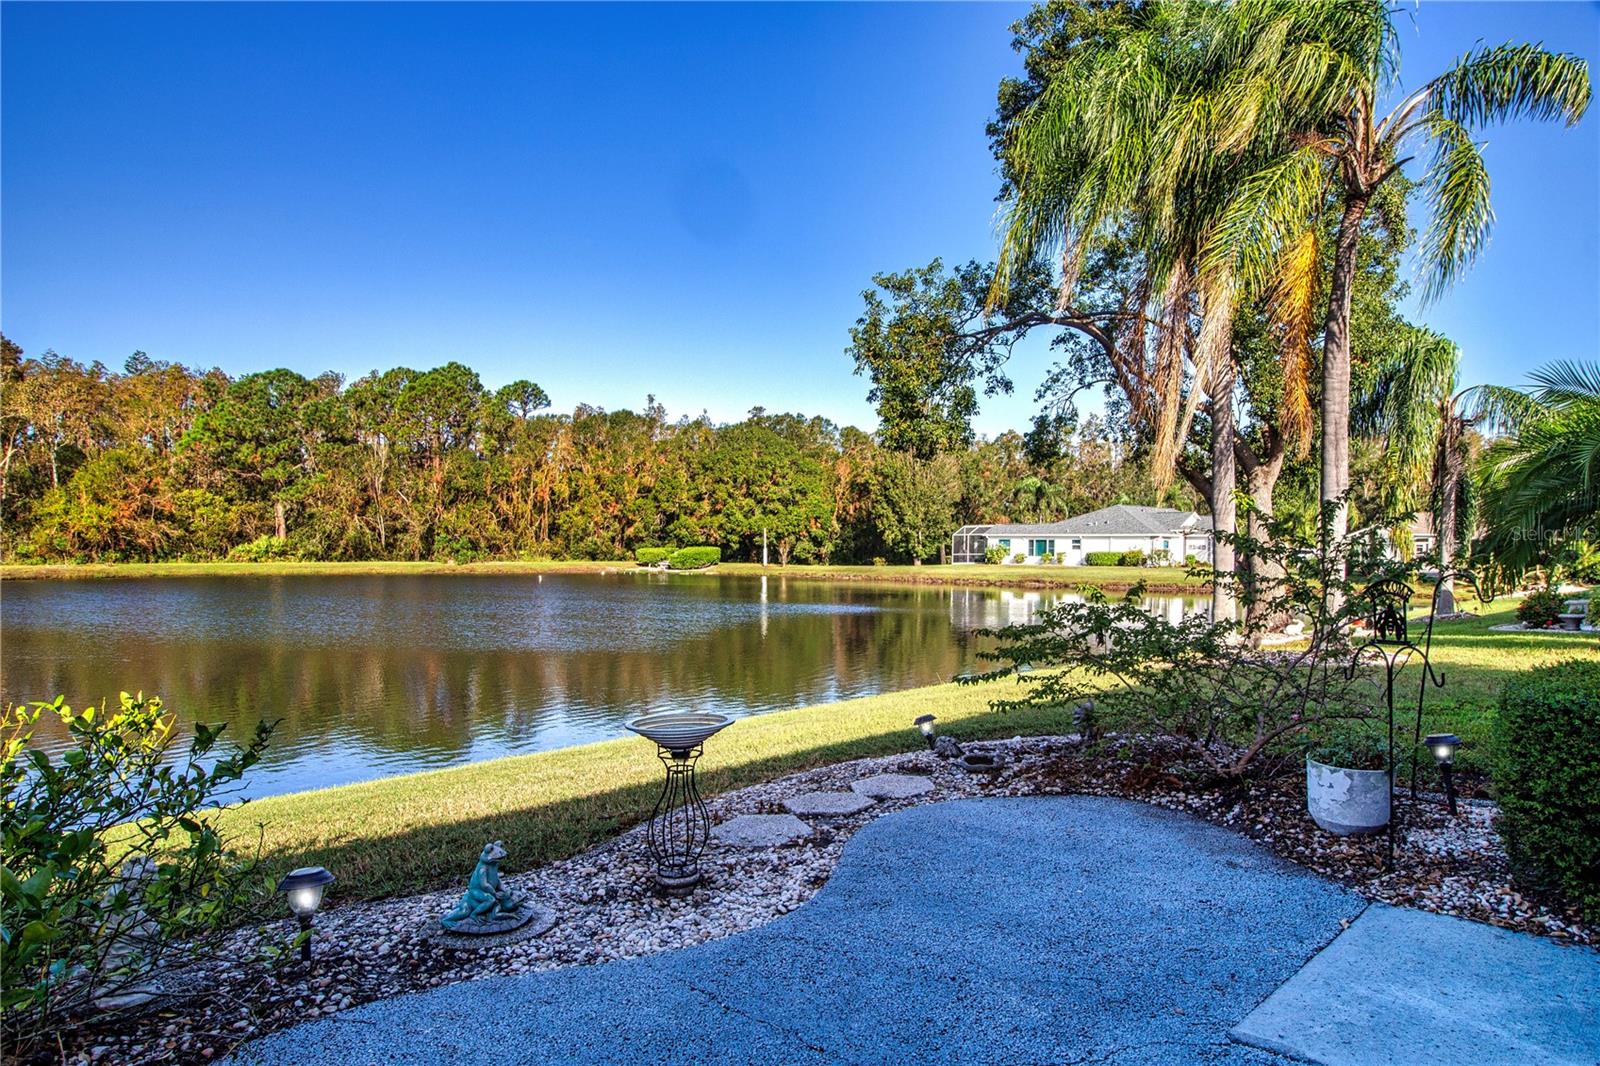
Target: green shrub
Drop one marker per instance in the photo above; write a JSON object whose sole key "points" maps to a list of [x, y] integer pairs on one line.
{"points": [[878, 560], [1593, 616], [1103, 558], [264, 549], [1541, 609], [1048, 557], [1131, 558], [110, 872], [694, 558], [651, 556], [1019, 558], [1547, 775], [995, 555]]}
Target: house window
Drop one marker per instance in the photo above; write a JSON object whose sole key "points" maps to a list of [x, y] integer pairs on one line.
{"points": [[1038, 547], [1077, 544], [1005, 542], [1165, 544]]}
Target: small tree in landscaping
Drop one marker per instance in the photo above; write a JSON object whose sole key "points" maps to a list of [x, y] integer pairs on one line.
{"points": [[1207, 684], [79, 927]]}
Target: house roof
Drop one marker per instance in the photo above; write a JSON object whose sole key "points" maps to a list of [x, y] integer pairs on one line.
{"points": [[1120, 519]]}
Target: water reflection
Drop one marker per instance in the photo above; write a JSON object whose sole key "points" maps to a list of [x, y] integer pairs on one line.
{"points": [[381, 675]]}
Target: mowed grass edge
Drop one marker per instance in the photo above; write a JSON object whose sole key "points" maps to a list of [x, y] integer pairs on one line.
{"points": [[422, 831], [1158, 579]]}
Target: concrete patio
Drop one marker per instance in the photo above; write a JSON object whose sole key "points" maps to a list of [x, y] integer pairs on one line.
{"points": [[1048, 930]]}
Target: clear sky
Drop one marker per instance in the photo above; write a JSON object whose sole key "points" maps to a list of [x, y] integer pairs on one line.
{"points": [[611, 200]]}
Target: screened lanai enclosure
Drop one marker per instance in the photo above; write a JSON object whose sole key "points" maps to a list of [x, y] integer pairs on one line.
{"points": [[969, 544]]}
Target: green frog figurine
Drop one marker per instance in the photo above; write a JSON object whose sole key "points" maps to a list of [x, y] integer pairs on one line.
{"points": [[487, 906]]}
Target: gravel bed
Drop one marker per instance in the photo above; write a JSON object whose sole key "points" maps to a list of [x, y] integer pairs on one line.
{"points": [[607, 908]]}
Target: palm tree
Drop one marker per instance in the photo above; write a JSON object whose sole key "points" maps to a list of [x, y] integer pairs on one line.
{"points": [[1422, 423], [1344, 148], [1541, 484], [1117, 148]]}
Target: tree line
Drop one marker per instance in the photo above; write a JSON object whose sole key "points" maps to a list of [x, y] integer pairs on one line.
{"points": [[161, 461]]}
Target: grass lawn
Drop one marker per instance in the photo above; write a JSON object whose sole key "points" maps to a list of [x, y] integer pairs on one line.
{"points": [[1159, 579], [421, 831]]}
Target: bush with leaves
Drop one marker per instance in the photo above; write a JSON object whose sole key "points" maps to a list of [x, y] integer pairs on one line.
{"points": [[694, 558], [1102, 558], [1208, 685], [1541, 609], [651, 556], [78, 928], [994, 555], [264, 549], [1547, 778]]}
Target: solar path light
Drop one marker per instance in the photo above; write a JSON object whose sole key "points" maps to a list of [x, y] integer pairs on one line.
{"points": [[929, 730], [304, 888], [1443, 746]]}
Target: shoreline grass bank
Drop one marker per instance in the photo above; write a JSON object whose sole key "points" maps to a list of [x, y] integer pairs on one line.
{"points": [[421, 831], [1164, 580]]}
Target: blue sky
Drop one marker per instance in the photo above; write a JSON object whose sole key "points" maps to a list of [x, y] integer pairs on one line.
{"points": [[611, 200]]}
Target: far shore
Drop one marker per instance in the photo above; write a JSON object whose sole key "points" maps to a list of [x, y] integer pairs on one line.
{"points": [[1164, 580]]}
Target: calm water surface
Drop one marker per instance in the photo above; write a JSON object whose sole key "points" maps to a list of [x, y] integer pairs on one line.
{"points": [[383, 675]]}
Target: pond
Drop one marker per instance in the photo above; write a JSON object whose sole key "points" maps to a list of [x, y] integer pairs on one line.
{"points": [[380, 675]]}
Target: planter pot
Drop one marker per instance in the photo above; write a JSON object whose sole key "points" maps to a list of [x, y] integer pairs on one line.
{"points": [[1347, 802]]}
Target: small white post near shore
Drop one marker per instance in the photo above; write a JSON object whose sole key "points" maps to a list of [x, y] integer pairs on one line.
{"points": [[763, 546]]}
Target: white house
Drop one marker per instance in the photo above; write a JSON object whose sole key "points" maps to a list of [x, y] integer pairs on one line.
{"points": [[1119, 528]]}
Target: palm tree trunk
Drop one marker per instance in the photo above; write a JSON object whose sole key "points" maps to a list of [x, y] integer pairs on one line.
{"points": [[1224, 477], [1336, 364], [1449, 489]]}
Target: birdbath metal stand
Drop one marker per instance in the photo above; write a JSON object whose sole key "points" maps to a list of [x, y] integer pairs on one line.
{"points": [[679, 825]]}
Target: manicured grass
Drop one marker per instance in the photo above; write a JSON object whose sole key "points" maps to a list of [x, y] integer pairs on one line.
{"points": [[406, 834], [1159, 579], [70, 571]]}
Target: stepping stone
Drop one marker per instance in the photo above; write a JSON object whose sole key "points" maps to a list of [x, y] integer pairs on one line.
{"points": [[761, 830], [827, 804], [893, 786]]}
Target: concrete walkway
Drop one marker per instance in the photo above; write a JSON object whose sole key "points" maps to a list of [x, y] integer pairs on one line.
{"points": [[1060, 930]]}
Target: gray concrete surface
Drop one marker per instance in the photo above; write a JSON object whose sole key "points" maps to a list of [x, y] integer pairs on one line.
{"points": [[893, 786], [760, 830], [827, 804], [1403, 987], [1014, 931]]}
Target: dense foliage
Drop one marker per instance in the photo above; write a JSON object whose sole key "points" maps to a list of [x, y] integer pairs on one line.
{"points": [[1541, 608], [1206, 685], [110, 870], [166, 462], [651, 556], [696, 558], [1547, 741]]}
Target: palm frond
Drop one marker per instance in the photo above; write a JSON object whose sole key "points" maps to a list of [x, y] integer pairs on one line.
{"points": [[1502, 83], [1456, 188]]}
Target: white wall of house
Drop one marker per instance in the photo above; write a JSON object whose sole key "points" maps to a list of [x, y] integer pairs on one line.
{"points": [[1071, 551]]}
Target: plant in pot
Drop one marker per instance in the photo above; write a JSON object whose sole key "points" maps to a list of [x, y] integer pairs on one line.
{"points": [[1347, 784]]}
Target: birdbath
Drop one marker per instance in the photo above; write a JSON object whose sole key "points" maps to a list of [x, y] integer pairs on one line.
{"points": [[679, 826]]}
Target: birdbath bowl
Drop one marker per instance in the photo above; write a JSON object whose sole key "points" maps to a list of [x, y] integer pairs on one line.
{"points": [[679, 730], [680, 825]]}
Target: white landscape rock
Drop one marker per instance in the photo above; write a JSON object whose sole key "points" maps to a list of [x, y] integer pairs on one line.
{"points": [[893, 786]]}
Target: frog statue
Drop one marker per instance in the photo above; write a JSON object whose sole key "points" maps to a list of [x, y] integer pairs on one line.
{"points": [[487, 906]]}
